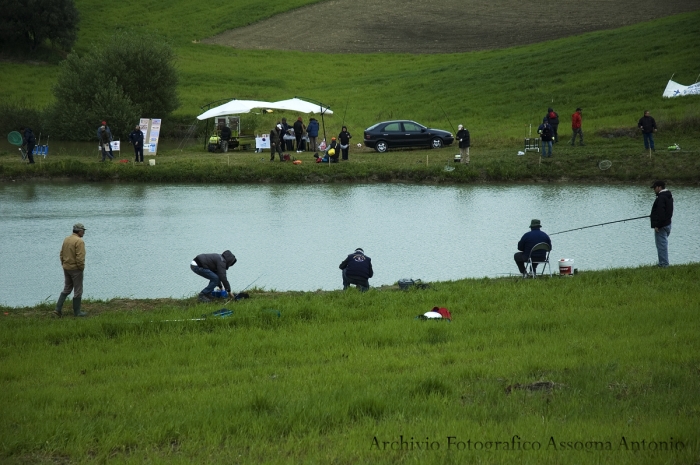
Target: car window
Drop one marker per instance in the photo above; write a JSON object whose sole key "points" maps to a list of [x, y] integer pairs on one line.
{"points": [[393, 127], [372, 127], [412, 127]]}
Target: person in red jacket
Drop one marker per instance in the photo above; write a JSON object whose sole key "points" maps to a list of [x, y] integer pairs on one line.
{"points": [[576, 127]]}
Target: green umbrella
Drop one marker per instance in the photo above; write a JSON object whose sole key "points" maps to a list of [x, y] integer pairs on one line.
{"points": [[15, 138]]}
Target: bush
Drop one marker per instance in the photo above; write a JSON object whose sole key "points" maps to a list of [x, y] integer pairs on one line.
{"points": [[32, 23], [17, 113], [132, 77]]}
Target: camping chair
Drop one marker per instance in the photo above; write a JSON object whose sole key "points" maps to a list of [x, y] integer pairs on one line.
{"points": [[530, 264]]}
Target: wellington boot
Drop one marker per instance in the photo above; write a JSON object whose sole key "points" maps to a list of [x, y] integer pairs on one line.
{"points": [[59, 305], [76, 307]]}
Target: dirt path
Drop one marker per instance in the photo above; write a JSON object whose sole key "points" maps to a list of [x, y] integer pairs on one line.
{"points": [[443, 26]]}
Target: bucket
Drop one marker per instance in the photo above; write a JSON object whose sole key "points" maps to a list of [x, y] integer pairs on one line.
{"points": [[152, 162], [566, 266]]}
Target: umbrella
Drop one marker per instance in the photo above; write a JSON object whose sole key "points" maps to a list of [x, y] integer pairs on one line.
{"points": [[15, 138]]}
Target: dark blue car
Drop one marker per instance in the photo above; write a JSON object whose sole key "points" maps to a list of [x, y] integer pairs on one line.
{"points": [[405, 133]]}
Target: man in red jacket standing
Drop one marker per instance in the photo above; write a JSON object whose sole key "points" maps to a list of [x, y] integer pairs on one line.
{"points": [[576, 127]]}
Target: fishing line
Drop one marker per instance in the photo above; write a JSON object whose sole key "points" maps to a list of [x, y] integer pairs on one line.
{"points": [[600, 224]]}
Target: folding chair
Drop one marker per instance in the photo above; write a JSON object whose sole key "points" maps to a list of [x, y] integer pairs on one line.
{"points": [[530, 264]]}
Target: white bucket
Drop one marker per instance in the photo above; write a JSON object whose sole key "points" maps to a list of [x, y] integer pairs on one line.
{"points": [[152, 162], [566, 266]]}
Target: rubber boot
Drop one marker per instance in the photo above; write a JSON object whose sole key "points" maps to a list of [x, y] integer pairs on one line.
{"points": [[76, 307], [59, 305]]}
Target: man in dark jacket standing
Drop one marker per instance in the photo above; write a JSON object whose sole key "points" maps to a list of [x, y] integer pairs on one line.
{"points": [[299, 130], [357, 269], [648, 127], [661, 214], [30, 142], [136, 138], [464, 143], [213, 266], [276, 142], [553, 119], [547, 135], [527, 242]]}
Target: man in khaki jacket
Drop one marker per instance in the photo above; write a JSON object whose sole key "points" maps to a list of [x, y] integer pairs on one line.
{"points": [[73, 262]]}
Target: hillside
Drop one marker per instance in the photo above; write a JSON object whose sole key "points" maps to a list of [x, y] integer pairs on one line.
{"points": [[496, 93]]}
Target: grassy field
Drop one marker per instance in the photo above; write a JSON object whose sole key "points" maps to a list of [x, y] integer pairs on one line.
{"points": [[600, 368], [496, 94], [630, 163]]}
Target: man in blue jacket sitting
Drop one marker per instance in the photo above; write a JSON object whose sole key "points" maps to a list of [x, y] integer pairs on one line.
{"points": [[357, 269], [527, 242]]}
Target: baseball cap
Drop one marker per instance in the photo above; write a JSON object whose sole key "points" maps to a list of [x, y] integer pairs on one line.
{"points": [[78, 227]]}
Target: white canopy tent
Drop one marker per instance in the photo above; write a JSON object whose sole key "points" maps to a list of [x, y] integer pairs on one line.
{"points": [[236, 107], [297, 104]]}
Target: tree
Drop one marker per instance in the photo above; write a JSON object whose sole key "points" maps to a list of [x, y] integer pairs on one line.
{"points": [[32, 22], [132, 77]]}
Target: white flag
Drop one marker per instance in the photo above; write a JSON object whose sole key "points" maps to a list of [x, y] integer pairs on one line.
{"points": [[673, 89]]}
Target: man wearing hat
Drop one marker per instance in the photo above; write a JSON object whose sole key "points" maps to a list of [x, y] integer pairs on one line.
{"points": [[73, 261], [464, 143], [357, 269], [661, 214], [104, 135], [527, 242]]}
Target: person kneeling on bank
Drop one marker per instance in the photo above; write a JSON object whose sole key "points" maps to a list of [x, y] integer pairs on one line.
{"points": [[357, 269], [213, 266]]}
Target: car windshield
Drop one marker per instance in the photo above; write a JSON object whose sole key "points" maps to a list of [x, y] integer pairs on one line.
{"points": [[372, 127]]}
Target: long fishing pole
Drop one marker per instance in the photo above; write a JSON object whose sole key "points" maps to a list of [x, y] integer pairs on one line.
{"points": [[346, 111], [601, 224], [448, 119]]}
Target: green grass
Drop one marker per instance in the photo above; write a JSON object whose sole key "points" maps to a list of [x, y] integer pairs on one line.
{"points": [[496, 94], [338, 369], [630, 164]]}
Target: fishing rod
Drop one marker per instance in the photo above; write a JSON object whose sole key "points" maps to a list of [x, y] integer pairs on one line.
{"points": [[237, 296], [448, 119], [601, 224], [346, 111]]}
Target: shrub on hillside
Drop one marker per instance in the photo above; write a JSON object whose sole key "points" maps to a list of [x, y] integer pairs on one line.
{"points": [[17, 113], [132, 77], [30, 24]]}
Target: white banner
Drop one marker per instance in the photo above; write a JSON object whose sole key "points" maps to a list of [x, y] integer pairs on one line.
{"points": [[153, 135], [262, 142], [673, 89]]}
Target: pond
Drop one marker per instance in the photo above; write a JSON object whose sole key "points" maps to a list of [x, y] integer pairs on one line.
{"points": [[140, 238]]}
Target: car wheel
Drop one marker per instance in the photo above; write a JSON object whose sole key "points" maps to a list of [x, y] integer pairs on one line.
{"points": [[436, 143], [381, 146]]}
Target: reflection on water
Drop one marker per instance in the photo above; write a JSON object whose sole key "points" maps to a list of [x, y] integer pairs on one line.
{"points": [[140, 238]]}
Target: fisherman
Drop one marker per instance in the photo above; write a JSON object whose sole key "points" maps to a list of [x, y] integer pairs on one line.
{"points": [[105, 137], [525, 245], [213, 266], [357, 269], [661, 214], [29, 140], [464, 143], [136, 137], [73, 262]]}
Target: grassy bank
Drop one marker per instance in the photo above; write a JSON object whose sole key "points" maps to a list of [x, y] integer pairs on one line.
{"points": [[630, 163], [603, 360]]}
